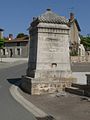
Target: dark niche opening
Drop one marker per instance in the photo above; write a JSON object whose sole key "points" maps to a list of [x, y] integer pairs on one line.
{"points": [[54, 65]]}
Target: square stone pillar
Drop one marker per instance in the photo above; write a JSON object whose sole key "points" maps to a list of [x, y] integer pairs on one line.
{"points": [[49, 67]]}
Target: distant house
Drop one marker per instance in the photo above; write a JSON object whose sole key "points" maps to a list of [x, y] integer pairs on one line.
{"points": [[76, 48], [74, 33], [15, 48], [74, 29], [19, 47]]}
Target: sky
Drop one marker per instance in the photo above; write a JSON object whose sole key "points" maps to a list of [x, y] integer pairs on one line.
{"points": [[16, 15]]}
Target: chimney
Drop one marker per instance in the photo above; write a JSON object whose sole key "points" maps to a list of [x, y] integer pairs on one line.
{"points": [[48, 9], [10, 36], [34, 18], [1, 33], [71, 16]]}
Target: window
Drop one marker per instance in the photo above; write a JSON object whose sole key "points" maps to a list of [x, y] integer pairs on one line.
{"points": [[18, 43], [18, 51], [3, 51], [11, 53]]}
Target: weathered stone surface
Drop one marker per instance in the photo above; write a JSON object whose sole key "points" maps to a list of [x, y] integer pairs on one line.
{"points": [[49, 61], [44, 86]]}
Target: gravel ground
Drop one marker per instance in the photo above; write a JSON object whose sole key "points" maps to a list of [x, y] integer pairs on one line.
{"points": [[61, 106], [10, 64]]}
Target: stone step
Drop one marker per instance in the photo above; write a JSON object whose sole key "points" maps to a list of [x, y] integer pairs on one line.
{"points": [[74, 90], [82, 87], [87, 93]]}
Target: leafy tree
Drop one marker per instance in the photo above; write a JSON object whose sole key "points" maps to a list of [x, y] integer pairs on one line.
{"points": [[2, 43], [85, 41], [20, 35]]}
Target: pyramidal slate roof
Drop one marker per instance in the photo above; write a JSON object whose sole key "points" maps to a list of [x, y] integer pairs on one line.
{"points": [[51, 17]]}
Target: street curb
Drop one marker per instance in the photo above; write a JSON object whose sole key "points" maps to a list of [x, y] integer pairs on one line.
{"points": [[13, 60], [26, 104]]}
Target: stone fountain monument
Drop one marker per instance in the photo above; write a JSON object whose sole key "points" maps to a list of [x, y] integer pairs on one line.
{"points": [[49, 67]]}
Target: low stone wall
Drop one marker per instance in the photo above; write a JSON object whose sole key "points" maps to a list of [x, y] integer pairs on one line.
{"points": [[80, 58], [45, 86]]}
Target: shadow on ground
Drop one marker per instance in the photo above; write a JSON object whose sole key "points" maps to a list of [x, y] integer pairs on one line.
{"points": [[46, 118], [14, 81]]}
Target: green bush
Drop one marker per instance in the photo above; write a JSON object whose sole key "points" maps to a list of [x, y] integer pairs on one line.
{"points": [[2, 43], [73, 53]]}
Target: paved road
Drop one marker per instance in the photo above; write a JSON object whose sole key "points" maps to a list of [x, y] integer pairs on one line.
{"points": [[81, 67], [9, 108]]}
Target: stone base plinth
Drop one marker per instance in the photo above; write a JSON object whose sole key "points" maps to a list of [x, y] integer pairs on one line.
{"points": [[44, 86]]}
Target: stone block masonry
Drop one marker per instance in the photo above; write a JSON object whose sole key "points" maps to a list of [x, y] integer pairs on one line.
{"points": [[49, 67]]}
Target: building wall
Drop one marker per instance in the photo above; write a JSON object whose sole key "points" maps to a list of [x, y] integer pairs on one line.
{"points": [[15, 49], [1, 34], [49, 50], [53, 48], [74, 33]]}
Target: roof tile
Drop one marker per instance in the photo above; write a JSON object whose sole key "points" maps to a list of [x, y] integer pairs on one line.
{"points": [[51, 17]]}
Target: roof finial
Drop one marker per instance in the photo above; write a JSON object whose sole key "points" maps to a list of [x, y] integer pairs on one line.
{"points": [[71, 16], [48, 9]]}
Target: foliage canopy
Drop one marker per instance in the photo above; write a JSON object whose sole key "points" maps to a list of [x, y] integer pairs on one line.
{"points": [[1, 42], [20, 35], [85, 41]]}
